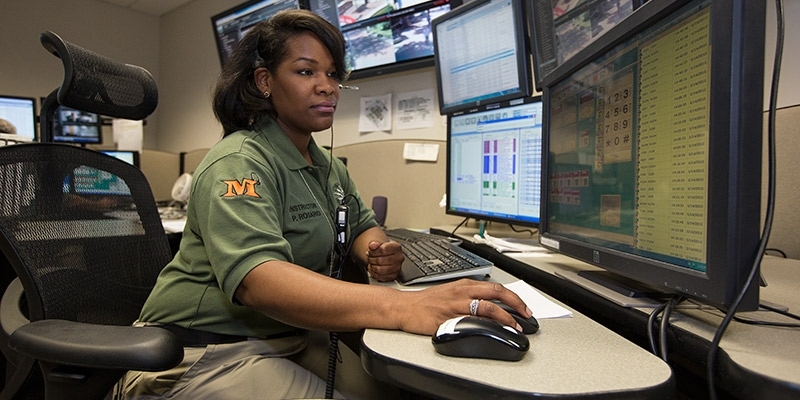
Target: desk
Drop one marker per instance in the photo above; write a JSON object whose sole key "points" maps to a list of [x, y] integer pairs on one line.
{"points": [[753, 361], [174, 222], [569, 357]]}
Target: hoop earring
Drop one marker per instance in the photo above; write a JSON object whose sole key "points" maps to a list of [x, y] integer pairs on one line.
{"points": [[266, 94]]}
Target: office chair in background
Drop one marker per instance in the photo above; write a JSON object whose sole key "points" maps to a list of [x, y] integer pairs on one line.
{"points": [[83, 233]]}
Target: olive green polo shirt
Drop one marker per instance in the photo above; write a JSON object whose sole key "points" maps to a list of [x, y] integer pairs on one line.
{"points": [[253, 199]]}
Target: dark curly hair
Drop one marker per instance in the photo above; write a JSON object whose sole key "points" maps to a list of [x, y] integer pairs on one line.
{"points": [[237, 102]]}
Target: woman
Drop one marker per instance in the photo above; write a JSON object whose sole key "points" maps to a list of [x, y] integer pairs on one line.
{"points": [[253, 274]]}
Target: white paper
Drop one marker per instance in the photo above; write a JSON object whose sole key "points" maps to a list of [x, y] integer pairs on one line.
{"points": [[541, 306], [503, 245], [128, 134], [421, 151], [173, 225], [414, 110], [376, 113]]}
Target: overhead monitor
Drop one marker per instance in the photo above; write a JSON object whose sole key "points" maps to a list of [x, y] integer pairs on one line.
{"points": [[653, 150], [481, 55], [76, 126], [231, 25], [384, 36], [129, 156], [560, 29], [494, 162], [20, 112]]}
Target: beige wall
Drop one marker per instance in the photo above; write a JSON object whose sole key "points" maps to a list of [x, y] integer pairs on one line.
{"points": [[178, 48], [784, 235], [27, 69]]}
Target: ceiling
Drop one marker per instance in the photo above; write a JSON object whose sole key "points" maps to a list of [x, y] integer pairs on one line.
{"points": [[150, 7]]}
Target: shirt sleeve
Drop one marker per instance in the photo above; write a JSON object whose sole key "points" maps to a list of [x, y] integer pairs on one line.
{"points": [[238, 203]]}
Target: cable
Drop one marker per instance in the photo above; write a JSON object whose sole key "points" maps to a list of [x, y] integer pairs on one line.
{"points": [[651, 322], [333, 359], [453, 233], [779, 251], [341, 251], [771, 323], [670, 306], [782, 312], [770, 211], [342, 247], [531, 231]]}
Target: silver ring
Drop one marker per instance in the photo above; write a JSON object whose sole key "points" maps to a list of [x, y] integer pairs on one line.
{"points": [[473, 307]]}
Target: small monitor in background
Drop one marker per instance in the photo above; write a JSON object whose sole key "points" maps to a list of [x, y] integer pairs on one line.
{"points": [[231, 25], [481, 55], [559, 30], [75, 126], [20, 112], [382, 36], [129, 156]]}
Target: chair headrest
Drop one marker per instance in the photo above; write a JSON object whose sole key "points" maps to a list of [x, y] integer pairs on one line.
{"points": [[95, 83]]}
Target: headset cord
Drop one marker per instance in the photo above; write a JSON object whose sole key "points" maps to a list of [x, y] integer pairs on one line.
{"points": [[333, 358], [342, 249]]}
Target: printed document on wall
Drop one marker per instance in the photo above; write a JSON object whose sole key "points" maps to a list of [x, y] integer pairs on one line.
{"points": [[128, 134], [376, 114], [414, 110]]}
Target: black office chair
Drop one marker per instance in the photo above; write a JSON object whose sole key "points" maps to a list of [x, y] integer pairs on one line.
{"points": [[82, 232]]}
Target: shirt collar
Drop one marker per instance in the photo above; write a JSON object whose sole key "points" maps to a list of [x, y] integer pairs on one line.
{"points": [[286, 149]]}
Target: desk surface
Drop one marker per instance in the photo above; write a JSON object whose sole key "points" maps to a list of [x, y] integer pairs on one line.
{"points": [[568, 357], [753, 361]]}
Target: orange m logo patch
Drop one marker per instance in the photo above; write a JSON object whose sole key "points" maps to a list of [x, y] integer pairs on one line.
{"points": [[247, 187]]}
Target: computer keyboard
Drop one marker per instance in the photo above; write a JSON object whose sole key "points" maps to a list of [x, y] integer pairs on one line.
{"points": [[408, 235], [432, 258]]}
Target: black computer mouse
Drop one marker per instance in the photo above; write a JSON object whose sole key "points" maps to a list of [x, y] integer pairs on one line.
{"points": [[479, 337], [529, 325]]}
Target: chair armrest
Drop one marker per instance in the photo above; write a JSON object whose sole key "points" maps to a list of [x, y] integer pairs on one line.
{"points": [[11, 316], [98, 346]]}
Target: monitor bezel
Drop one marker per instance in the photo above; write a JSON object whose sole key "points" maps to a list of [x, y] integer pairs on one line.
{"points": [[523, 62], [449, 210], [34, 115], [735, 143]]}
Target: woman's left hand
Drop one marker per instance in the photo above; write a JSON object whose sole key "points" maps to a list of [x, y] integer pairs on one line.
{"points": [[384, 260]]}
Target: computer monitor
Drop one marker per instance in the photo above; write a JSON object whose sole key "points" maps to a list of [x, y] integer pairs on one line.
{"points": [[384, 36], [129, 156], [652, 158], [231, 25], [494, 162], [481, 55], [21, 113], [76, 126], [88, 181], [560, 29]]}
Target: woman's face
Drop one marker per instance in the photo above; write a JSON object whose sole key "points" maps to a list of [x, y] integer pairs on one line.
{"points": [[305, 86]]}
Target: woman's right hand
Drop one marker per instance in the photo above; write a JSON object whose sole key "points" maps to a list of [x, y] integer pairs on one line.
{"points": [[425, 310]]}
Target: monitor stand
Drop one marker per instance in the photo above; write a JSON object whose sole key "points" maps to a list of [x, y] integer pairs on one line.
{"points": [[615, 288], [620, 284]]}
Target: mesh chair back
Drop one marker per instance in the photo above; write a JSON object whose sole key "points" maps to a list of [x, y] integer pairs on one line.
{"points": [[82, 231]]}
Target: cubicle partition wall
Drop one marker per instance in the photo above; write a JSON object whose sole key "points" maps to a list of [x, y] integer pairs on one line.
{"points": [[162, 169], [191, 159]]}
